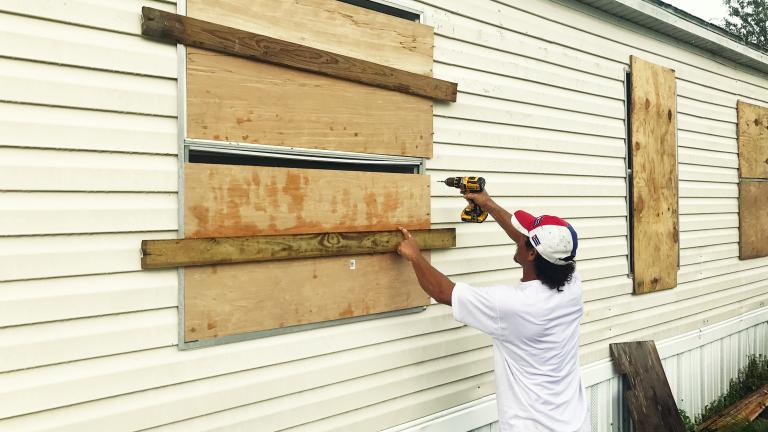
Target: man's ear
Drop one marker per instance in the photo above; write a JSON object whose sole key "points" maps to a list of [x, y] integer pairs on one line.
{"points": [[532, 252]]}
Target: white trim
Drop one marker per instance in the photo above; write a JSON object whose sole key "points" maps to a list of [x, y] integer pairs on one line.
{"points": [[482, 412]]}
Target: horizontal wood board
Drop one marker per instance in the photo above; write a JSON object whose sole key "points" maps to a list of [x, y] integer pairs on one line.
{"points": [[240, 298], [655, 233], [229, 250], [235, 99], [208, 35], [328, 25], [235, 200]]}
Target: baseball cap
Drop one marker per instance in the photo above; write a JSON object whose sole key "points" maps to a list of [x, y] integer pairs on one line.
{"points": [[553, 238]]}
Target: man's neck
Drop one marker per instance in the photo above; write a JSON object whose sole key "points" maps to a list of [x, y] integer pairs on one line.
{"points": [[529, 274]]}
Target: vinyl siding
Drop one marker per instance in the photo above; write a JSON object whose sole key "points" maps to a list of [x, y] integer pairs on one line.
{"points": [[88, 157]]}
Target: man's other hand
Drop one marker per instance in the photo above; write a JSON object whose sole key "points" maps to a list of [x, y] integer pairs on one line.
{"points": [[408, 248]]}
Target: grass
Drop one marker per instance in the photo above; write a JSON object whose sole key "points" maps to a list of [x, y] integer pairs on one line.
{"points": [[750, 378]]}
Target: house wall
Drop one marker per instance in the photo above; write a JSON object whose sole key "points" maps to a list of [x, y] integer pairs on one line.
{"points": [[88, 157]]}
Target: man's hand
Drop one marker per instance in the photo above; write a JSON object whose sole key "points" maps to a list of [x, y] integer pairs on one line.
{"points": [[408, 248], [480, 198]]}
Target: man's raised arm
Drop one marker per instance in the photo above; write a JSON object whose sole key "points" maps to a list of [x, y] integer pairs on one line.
{"points": [[502, 217]]}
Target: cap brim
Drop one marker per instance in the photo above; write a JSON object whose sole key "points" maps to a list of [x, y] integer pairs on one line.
{"points": [[523, 221]]}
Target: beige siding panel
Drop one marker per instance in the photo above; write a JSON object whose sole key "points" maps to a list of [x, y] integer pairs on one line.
{"points": [[708, 157], [299, 408], [43, 300], [708, 205], [117, 15], [489, 233], [473, 107], [702, 93], [509, 89], [501, 184], [159, 368], [497, 37], [49, 127], [450, 156], [705, 110], [23, 169], [27, 213], [707, 174], [707, 189], [448, 209], [706, 126], [47, 84], [706, 142], [52, 42], [72, 255], [468, 56], [708, 253], [482, 134], [708, 221], [690, 239], [607, 287], [43, 344]]}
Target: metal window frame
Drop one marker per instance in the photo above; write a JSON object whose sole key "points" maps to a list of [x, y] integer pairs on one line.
{"points": [[185, 144]]}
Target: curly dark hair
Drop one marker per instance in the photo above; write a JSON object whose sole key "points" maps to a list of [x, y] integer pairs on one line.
{"points": [[554, 276]]}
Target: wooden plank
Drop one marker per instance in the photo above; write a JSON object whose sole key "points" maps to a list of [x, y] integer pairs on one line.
{"points": [[215, 37], [328, 25], [240, 298], [233, 99], [743, 411], [753, 219], [648, 396], [654, 177], [752, 128], [234, 201], [228, 250]]}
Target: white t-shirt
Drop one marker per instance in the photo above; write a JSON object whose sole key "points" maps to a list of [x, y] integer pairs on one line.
{"points": [[535, 333]]}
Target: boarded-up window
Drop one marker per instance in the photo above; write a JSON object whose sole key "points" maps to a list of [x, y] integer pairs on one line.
{"points": [[753, 182], [233, 99], [653, 135]]}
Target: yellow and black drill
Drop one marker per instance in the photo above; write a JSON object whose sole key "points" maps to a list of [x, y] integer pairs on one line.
{"points": [[473, 212]]}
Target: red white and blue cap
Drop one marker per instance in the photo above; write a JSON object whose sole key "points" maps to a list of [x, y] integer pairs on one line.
{"points": [[553, 238]]}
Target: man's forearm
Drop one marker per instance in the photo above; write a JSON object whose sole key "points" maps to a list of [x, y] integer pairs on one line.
{"points": [[504, 219], [434, 283]]}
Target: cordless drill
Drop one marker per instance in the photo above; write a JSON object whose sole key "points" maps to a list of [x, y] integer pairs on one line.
{"points": [[473, 212]]}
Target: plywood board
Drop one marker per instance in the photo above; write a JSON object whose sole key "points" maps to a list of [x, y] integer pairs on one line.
{"points": [[649, 398], [753, 140], [655, 233], [753, 219], [176, 28], [229, 250], [232, 200], [239, 298], [328, 25], [235, 99]]}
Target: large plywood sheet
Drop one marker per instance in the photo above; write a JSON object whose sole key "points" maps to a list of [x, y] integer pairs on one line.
{"points": [[239, 298], [753, 219], [235, 99], [226, 200], [232, 200], [753, 140], [329, 25], [654, 173]]}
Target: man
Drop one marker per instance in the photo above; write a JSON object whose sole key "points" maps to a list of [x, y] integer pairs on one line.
{"points": [[534, 324]]}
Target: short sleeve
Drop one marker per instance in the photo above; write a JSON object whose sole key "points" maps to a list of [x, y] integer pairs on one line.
{"points": [[476, 307]]}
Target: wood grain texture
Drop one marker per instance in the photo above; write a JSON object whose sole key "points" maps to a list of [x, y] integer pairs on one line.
{"points": [[753, 140], [228, 250], [233, 201], [648, 396], [328, 25], [240, 298], [175, 28], [753, 219], [234, 99], [743, 411], [654, 177]]}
